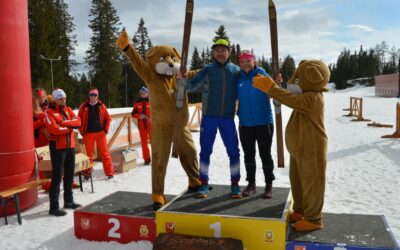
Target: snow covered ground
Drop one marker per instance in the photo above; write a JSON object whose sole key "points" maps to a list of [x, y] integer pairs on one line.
{"points": [[363, 176]]}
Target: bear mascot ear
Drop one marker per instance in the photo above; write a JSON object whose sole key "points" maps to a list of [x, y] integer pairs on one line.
{"points": [[177, 54], [313, 75], [153, 51]]}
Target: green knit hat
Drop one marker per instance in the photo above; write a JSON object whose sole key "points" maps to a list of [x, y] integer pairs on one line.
{"points": [[221, 42]]}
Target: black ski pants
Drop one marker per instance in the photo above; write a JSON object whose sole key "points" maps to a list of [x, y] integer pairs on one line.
{"points": [[263, 136], [62, 161]]}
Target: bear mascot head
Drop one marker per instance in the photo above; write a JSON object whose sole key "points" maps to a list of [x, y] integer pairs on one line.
{"points": [[164, 59], [310, 75]]}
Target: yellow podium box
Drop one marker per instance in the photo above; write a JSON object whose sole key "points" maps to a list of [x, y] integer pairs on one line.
{"points": [[259, 223]]}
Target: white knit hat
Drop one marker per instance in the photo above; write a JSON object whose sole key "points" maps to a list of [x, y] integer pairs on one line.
{"points": [[58, 94]]}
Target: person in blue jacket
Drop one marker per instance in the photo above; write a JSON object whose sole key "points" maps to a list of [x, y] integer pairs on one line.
{"points": [[217, 82], [255, 124]]}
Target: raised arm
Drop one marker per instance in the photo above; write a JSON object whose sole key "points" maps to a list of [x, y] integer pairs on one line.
{"points": [[138, 63]]}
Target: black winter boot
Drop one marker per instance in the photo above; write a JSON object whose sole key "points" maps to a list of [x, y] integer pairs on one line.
{"points": [[268, 191], [57, 212], [71, 205], [250, 190]]}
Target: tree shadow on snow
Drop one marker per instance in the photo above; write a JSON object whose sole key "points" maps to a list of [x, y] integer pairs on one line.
{"points": [[387, 147]]}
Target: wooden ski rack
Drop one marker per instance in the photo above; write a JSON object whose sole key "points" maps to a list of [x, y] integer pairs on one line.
{"points": [[356, 109], [396, 133], [379, 125]]}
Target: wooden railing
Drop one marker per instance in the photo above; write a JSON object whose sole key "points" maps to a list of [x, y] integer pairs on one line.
{"points": [[130, 139], [197, 113]]}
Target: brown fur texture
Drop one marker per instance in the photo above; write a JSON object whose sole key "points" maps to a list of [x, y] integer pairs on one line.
{"points": [[162, 95], [306, 139]]}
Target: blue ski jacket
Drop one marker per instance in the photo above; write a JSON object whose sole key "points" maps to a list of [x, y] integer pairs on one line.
{"points": [[254, 105], [217, 82]]}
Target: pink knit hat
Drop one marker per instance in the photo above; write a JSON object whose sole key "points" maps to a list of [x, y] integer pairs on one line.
{"points": [[246, 54]]}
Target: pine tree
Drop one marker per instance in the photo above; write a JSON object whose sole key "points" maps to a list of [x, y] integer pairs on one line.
{"points": [[221, 34], [196, 60], [238, 50], [50, 35], [209, 56], [141, 40], [234, 56], [103, 56], [39, 12], [288, 68], [353, 66], [332, 68], [381, 50], [391, 65], [203, 58], [197, 63], [362, 63], [81, 88], [66, 42], [263, 63]]}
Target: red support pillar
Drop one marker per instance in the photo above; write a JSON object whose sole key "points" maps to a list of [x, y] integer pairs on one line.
{"points": [[16, 122]]}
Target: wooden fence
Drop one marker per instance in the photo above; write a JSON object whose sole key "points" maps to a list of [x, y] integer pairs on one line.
{"points": [[130, 138]]}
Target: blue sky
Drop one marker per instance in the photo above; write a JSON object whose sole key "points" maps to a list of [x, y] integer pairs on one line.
{"points": [[317, 29]]}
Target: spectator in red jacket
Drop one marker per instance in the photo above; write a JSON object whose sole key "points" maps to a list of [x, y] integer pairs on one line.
{"points": [[94, 128], [39, 106], [141, 112], [60, 123], [41, 135]]}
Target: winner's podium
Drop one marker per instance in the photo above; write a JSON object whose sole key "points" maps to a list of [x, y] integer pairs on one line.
{"points": [[346, 232], [259, 223], [120, 216]]}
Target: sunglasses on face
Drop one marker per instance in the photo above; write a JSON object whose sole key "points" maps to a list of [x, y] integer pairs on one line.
{"points": [[92, 94]]}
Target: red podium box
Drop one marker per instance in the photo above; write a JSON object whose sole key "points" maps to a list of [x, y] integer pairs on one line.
{"points": [[121, 216]]}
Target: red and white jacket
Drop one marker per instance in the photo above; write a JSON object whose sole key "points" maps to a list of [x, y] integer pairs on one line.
{"points": [[60, 122]]}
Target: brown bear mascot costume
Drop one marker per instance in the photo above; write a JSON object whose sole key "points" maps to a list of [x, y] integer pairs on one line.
{"points": [[159, 75], [306, 140]]}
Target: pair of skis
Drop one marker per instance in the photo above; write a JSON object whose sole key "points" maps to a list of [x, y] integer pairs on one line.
{"points": [[180, 97], [273, 27]]}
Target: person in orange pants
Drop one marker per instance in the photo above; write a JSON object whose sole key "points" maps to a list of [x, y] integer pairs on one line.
{"points": [[94, 128], [141, 112]]}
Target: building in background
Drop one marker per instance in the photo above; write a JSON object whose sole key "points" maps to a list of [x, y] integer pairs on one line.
{"points": [[387, 85]]}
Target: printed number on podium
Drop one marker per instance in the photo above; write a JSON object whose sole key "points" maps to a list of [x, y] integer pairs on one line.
{"points": [[217, 229], [113, 231]]}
